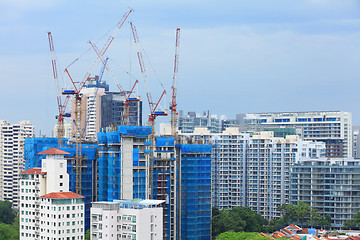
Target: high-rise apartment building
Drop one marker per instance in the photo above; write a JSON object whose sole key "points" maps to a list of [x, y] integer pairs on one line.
{"points": [[47, 209], [188, 123], [112, 110], [182, 177], [332, 127], [101, 108], [252, 169], [12, 138], [123, 163], [90, 111], [127, 219], [331, 186], [356, 142]]}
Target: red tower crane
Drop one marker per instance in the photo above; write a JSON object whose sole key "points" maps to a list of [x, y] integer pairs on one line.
{"points": [[154, 112], [61, 104], [173, 87], [78, 97]]}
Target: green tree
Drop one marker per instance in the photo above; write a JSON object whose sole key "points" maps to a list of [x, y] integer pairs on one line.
{"points": [[287, 211], [10, 231], [7, 214], [302, 211], [353, 224], [87, 235], [237, 219], [314, 218]]}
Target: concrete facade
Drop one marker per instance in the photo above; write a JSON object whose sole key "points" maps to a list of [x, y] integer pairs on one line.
{"points": [[332, 127], [12, 138], [123, 219], [47, 209], [332, 186]]}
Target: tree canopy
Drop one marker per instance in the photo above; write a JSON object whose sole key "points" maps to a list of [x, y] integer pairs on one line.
{"points": [[238, 219], [353, 224], [303, 215], [7, 214], [241, 236]]}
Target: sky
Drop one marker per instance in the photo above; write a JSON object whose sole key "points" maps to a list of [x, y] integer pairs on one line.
{"points": [[234, 56]]}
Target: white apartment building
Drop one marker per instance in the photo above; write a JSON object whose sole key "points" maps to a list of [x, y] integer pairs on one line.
{"points": [[12, 138], [127, 219], [62, 216], [67, 128], [252, 169], [332, 127], [45, 200], [90, 112]]}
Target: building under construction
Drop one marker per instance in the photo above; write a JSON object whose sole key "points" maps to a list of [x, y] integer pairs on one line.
{"points": [[89, 167]]}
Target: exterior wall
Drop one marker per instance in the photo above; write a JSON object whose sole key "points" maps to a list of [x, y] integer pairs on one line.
{"points": [[253, 169], [188, 123], [113, 221], [35, 212], [123, 163], [31, 188], [356, 142], [112, 108], [91, 112], [330, 186], [164, 182], [62, 218], [12, 138], [332, 127], [57, 177]]}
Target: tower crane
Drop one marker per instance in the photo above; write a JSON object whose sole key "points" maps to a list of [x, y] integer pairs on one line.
{"points": [[127, 96], [61, 104], [78, 99], [154, 112], [173, 87]]}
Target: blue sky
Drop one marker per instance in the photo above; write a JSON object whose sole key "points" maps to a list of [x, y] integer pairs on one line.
{"points": [[235, 56]]}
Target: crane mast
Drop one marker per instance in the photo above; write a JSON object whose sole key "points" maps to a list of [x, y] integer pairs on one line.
{"points": [[78, 101], [173, 87], [152, 106], [61, 105]]}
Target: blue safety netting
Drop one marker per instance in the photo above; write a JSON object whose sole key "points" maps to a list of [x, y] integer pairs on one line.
{"points": [[195, 191], [109, 163], [164, 141], [135, 131]]}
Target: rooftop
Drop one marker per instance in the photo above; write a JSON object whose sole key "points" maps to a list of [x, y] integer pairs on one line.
{"points": [[33, 171], [62, 195], [54, 151]]}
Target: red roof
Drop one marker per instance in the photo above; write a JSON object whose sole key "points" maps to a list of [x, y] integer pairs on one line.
{"points": [[57, 195], [33, 171], [54, 151]]}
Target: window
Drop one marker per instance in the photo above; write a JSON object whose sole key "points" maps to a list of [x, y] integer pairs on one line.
{"points": [[61, 176]]}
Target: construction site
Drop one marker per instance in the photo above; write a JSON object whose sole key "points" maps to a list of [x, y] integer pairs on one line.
{"points": [[113, 156]]}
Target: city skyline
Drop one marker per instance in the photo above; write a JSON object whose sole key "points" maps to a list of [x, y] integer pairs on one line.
{"points": [[237, 57]]}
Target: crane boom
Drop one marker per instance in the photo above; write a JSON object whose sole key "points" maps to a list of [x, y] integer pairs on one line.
{"points": [[153, 106], [142, 66], [78, 100], [173, 87], [61, 105]]}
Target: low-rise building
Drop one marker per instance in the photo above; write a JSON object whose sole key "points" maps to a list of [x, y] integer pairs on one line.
{"points": [[127, 219]]}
